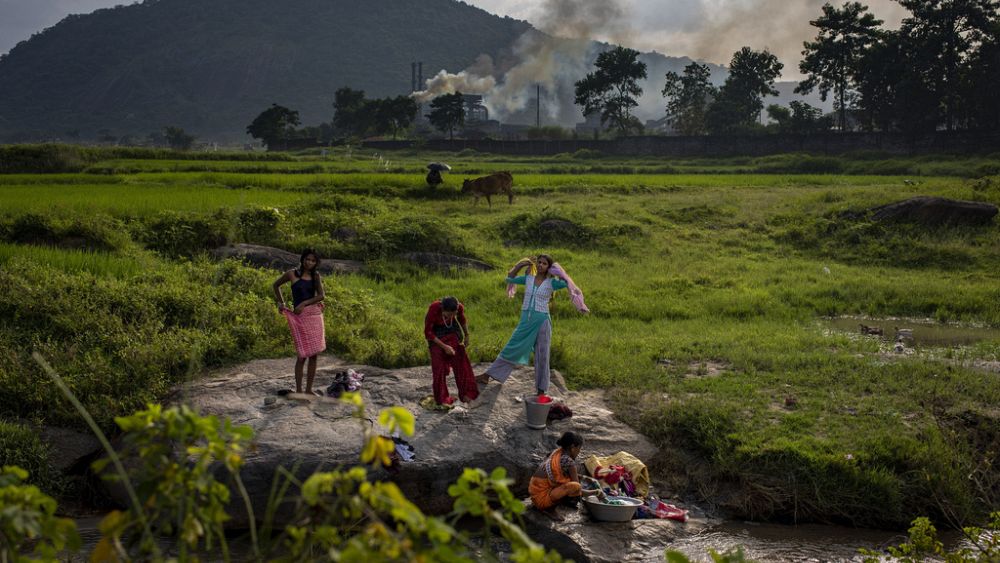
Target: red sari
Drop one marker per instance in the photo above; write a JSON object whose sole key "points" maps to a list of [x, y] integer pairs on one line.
{"points": [[452, 335]]}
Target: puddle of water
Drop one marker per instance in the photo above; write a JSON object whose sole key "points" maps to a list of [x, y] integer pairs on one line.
{"points": [[918, 333], [774, 542]]}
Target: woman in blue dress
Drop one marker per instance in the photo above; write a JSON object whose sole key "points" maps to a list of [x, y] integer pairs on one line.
{"points": [[534, 331]]}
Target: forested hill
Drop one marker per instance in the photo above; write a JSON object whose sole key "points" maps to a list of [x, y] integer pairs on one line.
{"points": [[211, 66]]}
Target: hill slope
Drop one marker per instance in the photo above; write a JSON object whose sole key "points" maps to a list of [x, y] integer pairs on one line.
{"points": [[210, 67]]}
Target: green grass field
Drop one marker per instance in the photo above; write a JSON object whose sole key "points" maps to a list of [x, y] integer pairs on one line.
{"points": [[707, 293]]}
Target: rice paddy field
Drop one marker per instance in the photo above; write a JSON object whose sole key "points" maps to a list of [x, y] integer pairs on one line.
{"points": [[723, 293]]}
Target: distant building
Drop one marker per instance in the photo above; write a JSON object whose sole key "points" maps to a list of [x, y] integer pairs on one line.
{"points": [[591, 124], [474, 108], [662, 126]]}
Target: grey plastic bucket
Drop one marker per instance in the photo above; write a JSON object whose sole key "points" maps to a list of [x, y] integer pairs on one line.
{"points": [[538, 413]]}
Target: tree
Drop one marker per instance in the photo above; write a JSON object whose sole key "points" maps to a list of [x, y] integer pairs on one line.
{"points": [[447, 113], [393, 114], [799, 118], [740, 100], [177, 138], [946, 33], [981, 81], [349, 115], [689, 96], [273, 124], [613, 88], [831, 60]]}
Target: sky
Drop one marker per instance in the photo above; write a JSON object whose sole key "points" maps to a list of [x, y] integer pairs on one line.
{"points": [[709, 30]]}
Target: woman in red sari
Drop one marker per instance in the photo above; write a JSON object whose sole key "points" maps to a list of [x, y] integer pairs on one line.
{"points": [[447, 333], [556, 479]]}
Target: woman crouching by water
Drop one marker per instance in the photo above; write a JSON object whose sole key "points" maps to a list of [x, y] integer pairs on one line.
{"points": [[305, 319], [556, 479]]}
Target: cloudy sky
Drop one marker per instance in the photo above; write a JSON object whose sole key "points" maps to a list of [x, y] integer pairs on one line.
{"points": [[710, 30]]}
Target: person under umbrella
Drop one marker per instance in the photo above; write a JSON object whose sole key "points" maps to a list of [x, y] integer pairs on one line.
{"points": [[434, 176]]}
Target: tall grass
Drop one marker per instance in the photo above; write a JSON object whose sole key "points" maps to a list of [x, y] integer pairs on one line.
{"points": [[132, 199], [103, 264], [678, 269]]}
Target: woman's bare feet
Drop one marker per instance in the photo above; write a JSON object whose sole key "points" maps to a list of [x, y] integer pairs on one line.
{"points": [[483, 379]]}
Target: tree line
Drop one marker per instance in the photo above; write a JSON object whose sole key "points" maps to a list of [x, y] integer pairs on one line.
{"points": [[357, 116], [938, 71]]}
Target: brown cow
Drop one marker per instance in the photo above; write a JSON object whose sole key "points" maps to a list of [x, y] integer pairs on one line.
{"points": [[496, 183]]}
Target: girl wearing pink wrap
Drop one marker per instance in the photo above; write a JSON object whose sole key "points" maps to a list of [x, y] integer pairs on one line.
{"points": [[305, 319]]}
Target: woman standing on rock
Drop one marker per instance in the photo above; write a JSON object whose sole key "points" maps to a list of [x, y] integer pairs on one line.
{"points": [[447, 332], [556, 478], [534, 330], [305, 319]]}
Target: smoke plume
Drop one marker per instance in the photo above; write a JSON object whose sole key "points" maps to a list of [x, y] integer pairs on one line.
{"points": [[553, 60]]}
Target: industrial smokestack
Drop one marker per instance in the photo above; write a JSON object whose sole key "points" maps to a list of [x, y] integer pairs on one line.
{"points": [[413, 77], [538, 106], [420, 76]]}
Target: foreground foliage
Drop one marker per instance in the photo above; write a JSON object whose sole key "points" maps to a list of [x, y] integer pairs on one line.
{"points": [[179, 507]]}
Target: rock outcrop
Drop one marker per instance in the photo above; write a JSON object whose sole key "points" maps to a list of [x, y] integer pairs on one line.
{"points": [[278, 259], [438, 261], [935, 211], [323, 434]]}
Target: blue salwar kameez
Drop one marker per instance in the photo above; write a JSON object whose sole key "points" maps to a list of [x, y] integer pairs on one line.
{"points": [[532, 334]]}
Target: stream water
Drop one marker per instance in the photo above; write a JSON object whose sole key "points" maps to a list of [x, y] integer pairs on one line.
{"points": [[775, 542]]}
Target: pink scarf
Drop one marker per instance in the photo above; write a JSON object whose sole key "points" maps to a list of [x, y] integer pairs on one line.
{"points": [[575, 294]]}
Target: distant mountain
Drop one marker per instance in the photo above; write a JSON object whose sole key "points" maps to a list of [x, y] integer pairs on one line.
{"points": [[212, 66]]}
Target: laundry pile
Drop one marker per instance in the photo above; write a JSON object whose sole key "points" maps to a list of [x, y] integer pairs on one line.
{"points": [[345, 381], [623, 475]]}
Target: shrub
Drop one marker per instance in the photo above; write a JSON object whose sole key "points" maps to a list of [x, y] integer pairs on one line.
{"points": [[174, 234], [28, 524], [546, 227], [96, 232], [21, 446], [799, 164], [587, 154], [259, 224], [46, 159]]}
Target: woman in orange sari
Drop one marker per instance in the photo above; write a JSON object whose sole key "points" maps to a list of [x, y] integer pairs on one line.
{"points": [[556, 478]]}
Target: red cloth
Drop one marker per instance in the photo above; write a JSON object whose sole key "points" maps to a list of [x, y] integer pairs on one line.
{"points": [[307, 330], [442, 363], [435, 318]]}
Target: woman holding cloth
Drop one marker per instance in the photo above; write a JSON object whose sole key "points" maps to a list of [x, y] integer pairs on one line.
{"points": [[534, 331]]}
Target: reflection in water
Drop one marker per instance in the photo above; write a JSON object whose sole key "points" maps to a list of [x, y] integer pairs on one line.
{"points": [[774, 542], [918, 333]]}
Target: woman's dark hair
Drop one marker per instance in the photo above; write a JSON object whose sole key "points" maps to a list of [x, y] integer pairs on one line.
{"points": [[547, 259], [569, 439], [302, 260], [449, 304]]}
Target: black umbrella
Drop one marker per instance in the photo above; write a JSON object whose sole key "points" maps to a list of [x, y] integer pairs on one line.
{"points": [[439, 166]]}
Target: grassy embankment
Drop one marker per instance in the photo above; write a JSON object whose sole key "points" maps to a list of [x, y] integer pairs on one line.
{"points": [[723, 270]]}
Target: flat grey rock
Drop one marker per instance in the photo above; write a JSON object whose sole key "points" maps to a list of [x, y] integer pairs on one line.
{"points": [[321, 433]]}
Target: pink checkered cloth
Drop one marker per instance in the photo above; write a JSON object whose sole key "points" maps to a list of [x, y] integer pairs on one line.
{"points": [[307, 330]]}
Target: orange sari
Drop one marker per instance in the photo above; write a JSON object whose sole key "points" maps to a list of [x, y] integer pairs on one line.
{"points": [[547, 491]]}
